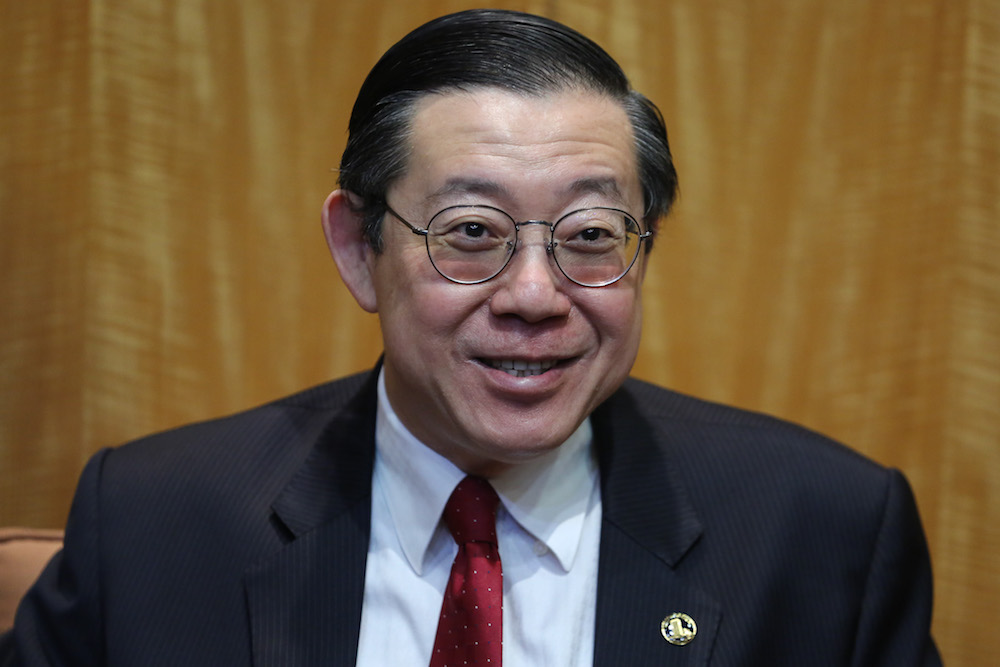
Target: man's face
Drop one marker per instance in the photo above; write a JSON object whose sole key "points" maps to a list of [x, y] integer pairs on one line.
{"points": [[535, 158]]}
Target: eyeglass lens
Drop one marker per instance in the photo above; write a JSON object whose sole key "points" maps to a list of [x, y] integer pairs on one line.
{"points": [[592, 247]]}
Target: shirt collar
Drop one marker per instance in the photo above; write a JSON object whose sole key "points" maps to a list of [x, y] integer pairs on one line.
{"points": [[547, 496]]}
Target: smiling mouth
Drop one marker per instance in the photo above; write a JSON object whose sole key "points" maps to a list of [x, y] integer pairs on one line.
{"points": [[520, 368]]}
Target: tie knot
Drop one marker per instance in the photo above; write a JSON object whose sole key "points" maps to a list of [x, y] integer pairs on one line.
{"points": [[471, 511]]}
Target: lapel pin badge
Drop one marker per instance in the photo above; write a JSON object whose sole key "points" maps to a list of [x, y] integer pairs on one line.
{"points": [[679, 629]]}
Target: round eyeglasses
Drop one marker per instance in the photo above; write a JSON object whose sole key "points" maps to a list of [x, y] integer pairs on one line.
{"points": [[593, 247]]}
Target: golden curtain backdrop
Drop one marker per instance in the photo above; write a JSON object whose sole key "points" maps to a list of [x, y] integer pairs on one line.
{"points": [[834, 259]]}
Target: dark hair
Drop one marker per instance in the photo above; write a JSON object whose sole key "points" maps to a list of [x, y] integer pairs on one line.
{"points": [[511, 50]]}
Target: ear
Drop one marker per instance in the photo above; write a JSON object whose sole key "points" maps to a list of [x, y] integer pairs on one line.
{"points": [[342, 224]]}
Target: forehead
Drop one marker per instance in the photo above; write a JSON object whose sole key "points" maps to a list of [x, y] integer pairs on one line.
{"points": [[496, 143]]}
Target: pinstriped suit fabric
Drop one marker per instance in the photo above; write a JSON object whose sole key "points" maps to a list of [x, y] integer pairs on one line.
{"points": [[243, 541]]}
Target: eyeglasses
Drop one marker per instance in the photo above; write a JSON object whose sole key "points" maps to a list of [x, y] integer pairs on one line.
{"points": [[593, 247]]}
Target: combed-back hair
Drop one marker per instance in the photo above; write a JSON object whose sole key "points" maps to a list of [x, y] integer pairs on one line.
{"points": [[521, 53]]}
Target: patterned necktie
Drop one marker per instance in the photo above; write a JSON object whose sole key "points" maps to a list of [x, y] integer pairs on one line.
{"points": [[469, 629]]}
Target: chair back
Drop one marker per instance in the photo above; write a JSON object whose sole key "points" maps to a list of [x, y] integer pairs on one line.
{"points": [[23, 554]]}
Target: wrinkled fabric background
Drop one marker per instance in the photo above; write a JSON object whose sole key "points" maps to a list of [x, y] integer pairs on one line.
{"points": [[834, 258]]}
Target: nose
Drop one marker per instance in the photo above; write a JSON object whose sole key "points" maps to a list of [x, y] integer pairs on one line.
{"points": [[531, 287]]}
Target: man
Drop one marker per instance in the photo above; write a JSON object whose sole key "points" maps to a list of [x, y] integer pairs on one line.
{"points": [[499, 193]]}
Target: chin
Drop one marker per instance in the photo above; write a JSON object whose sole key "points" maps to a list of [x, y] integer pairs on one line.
{"points": [[516, 445]]}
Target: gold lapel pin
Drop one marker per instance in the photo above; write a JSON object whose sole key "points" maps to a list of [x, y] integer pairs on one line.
{"points": [[678, 629]]}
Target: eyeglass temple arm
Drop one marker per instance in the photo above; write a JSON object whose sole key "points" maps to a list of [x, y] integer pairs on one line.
{"points": [[416, 230]]}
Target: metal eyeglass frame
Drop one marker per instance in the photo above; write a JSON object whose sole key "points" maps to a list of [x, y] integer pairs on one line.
{"points": [[425, 232]]}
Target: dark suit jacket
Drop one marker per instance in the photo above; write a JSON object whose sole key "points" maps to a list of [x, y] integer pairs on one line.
{"points": [[243, 541]]}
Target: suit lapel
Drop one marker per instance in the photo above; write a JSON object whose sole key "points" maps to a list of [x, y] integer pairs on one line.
{"points": [[305, 600], [649, 526]]}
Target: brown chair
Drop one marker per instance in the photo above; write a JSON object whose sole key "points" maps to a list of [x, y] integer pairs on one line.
{"points": [[23, 554]]}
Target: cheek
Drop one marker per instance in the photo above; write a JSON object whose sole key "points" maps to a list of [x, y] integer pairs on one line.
{"points": [[626, 348], [417, 310], [619, 317]]}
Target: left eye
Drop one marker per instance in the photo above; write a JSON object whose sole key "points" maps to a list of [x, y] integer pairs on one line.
{"points": [[472, 229], [593, 234]]}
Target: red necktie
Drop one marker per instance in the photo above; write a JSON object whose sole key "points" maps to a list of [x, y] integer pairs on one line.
{"points": [[469, 630]]}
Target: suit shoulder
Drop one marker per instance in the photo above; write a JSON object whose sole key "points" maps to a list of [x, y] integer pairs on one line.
{"points": [[733, 461], [661, 402], [319, 402], [733, 436], [256, 448]]}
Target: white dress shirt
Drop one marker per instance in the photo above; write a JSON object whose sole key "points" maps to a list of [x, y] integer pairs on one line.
{"points": [[548, 529]]}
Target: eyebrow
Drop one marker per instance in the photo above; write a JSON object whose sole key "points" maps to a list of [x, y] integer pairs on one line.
{"points": [[606, 187], [470, 186], [603, 186]]}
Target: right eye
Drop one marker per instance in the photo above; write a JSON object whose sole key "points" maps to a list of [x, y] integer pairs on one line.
{"points": [[470, 232]]}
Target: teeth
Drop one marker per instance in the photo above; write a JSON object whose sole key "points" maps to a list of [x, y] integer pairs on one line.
{"points": [[520, 368]]}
